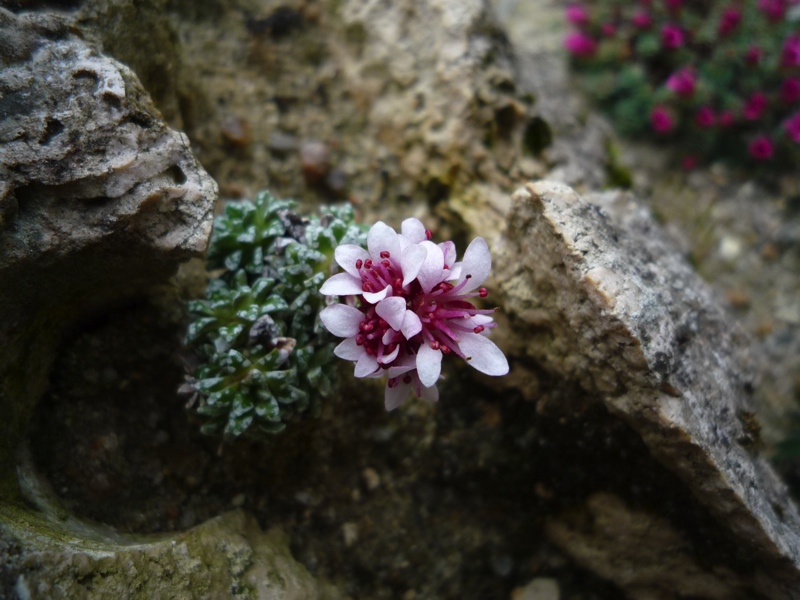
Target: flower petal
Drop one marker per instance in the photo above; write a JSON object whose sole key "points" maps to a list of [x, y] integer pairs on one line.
{"points": [[341, 320], [366, 365], [483, 354], [347, 255], [349, 350], [404, 365], [392, 310], [382, 238], [432, 270], [429, 365], [454, 272], [373, 297], [411, 324], [342, 284], [395, 396], [449, 253], [414, 230], [388, 358], [411, 260], [477, 262]]}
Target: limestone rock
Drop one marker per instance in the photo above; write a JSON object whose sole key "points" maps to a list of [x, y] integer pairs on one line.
{"points": [[226, 557], [99, 198], [598, 295]]}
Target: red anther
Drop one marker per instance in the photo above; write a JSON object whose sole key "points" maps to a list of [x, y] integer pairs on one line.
{"points": [[468, 277], [446, 349], [371, 336], [397, 284], [385, 254], [478, 329], [435, 344], [369, 350], [369, 327], [359, 263], [362, 326], [407, 379], [446, 286], [483, 292], [386, 263], [383, 324], [368, 263], [367, 286], [428, 234], [392, 383], [359, 340]]}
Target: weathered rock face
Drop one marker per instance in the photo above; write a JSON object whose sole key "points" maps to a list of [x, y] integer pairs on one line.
{"points": [[99, 198], [606, 301]]}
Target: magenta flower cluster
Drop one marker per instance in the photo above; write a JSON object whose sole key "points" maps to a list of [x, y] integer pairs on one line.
{"points": [[408, 303], [723, 76]]}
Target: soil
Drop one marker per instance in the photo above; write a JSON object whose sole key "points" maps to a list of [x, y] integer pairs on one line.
{"points": [[430, 501]]}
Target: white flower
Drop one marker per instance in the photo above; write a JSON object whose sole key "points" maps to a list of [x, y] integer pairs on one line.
{"points": [[414, 308]]}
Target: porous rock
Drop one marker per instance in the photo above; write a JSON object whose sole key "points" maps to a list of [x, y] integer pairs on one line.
{"points": [[598, 295], [99, 199], [226, 557]]}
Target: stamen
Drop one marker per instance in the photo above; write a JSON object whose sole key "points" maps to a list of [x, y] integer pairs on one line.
{"points": [[385, 254], [359, 340], [359, 263], [428, 234], [368, 263], [407, 379], [478, 329], [392, 383], [367, 287], [446, 350], [435, 345], [483, 292], [385, 262]]}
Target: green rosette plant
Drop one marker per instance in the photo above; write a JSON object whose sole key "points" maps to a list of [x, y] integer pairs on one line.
{"points": [[264, 358]]}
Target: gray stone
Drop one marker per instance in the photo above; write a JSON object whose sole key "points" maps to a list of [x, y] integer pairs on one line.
{"points": [[597, 294], [99, 199]]}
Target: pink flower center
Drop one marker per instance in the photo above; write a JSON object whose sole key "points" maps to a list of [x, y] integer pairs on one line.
{"points": [[443, 313]]}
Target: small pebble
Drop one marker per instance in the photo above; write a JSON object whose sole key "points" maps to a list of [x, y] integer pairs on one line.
{"points": [[371, 478], [350, 533]]}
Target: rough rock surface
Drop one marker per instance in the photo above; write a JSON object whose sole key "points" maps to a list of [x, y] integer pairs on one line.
{"points": [[606, 301], [99, 199], [226, 557]]}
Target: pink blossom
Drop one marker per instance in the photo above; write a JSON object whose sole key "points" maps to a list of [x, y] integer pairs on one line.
{"points": [[752, 56], [580, 44], [726, 118], [790, 53], [790, 90], [755, 106], [672, 37], [705, 117], [411, 305], [761, 148], [729, 21], [661, 120], [792, 127], [689, 162], [682, 82], [577, 15], [774, 10], [641, 19]]}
